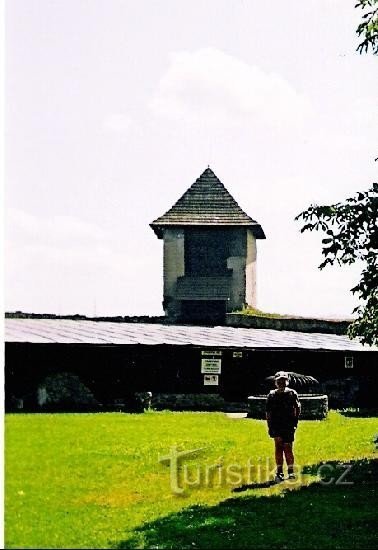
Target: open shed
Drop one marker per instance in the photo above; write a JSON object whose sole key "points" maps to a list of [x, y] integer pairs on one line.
{"points": [[116, 359]]}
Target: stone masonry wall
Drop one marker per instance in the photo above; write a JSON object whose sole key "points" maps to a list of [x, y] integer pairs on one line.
{"points": [[313, 407], [287, 323]]}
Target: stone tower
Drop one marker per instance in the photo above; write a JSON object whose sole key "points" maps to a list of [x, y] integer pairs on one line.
{"points": [[209, 253]]}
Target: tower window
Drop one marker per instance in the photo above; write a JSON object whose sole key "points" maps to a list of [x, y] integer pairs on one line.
{"points": [[206, 252]]}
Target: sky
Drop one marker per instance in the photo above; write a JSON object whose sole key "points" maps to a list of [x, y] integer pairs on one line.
{"points": [[114, 108]]}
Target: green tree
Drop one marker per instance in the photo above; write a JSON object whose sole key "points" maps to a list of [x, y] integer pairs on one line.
{"points": [[351, 227], [351, 230]]}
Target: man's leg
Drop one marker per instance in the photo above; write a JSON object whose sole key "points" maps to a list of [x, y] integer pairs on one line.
{"points": [[289, 456], [279, 450]]}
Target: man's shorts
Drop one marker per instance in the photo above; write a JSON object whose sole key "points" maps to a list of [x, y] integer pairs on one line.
{"points": [[286, 432]]}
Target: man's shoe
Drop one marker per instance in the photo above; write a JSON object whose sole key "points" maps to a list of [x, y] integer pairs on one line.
{"points": [[279, 477], [291, 475]]}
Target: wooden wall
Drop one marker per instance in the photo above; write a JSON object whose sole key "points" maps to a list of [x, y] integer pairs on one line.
{"points": [[112, 371]]}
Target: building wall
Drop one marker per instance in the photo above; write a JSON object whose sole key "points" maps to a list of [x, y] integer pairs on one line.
{"points": [[250, 270], [241, 246], [237, 262], [174, 267], [112, 372]]}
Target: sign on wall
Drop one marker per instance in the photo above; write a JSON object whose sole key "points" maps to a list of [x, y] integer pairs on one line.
{"points": [[348, 362], [210, 353], [211, 380], [237, 354], [211, 366]]}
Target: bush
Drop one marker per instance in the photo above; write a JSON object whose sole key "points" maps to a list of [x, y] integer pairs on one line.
{"points": [[65, 391]]}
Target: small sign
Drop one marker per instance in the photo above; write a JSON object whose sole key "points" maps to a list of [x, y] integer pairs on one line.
{"points": [[348, 362], [238, 354], [211, 366], [211, 380], [209, 353]]}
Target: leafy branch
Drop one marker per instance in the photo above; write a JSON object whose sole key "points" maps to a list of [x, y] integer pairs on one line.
{"points": [[368, 28]]}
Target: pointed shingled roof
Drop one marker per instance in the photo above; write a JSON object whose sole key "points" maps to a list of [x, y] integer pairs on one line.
{"points": [[206, 203]]}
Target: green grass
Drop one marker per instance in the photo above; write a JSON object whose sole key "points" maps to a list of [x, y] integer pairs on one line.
{"points": [[94, 480], [249, 310]]}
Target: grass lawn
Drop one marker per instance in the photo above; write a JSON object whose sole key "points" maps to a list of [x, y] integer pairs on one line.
{"points": [[95, 481]]}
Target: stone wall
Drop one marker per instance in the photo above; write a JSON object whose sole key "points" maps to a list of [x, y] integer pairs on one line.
{"points": [[314, 407], [287, 323], [195, 402], [174, 267], [232, 320], [250, 270]]}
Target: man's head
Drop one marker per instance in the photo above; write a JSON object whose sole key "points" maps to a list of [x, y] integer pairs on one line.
{"points": [[281, 379]]}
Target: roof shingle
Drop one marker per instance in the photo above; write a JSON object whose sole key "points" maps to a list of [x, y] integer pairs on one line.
{"points": [[206, 203]]}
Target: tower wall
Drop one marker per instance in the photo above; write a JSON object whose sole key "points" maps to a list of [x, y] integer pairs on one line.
{"points": [[250, 270], [174, 267], [242, 281], [237, 262]]}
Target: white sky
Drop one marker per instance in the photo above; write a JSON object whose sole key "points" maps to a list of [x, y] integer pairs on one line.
{"points": [[114, 108]]}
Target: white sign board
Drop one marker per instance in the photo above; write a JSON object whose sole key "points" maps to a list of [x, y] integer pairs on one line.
{"points": [[210, 353], [211, 366], [211, 380], [348, 362], [237, 354]]}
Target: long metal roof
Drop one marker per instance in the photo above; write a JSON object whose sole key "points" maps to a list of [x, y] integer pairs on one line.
{"points": [[61, 331]]}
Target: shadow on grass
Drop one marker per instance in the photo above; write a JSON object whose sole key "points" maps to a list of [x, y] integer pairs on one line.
{"points": [[326, 514], [262, 485], [359, 413]]}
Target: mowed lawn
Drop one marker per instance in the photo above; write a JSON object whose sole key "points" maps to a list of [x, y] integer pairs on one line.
{"points": [[95, 481]]}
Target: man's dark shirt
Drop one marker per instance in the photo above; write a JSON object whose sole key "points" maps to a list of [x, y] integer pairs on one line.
{"points": [[283, 407]]}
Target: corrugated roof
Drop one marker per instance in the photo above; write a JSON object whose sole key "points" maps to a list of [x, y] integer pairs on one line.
{"points": [[206, 203], [61, 331]]}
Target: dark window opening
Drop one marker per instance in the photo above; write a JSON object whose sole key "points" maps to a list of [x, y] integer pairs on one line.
{"points": [[204, 311], [206, 252]]}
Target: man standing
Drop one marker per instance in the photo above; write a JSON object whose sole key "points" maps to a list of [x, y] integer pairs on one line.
{"points": [[282, 412]]}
